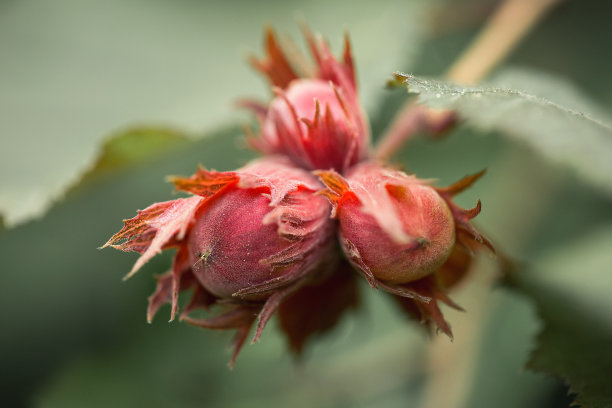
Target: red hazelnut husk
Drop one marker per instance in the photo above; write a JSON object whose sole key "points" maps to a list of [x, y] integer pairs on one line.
{"points": [[315, 119], [246, 240], [404, 235]]}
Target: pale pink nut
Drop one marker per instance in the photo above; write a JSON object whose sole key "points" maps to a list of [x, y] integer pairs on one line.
{"points": [[316, 120], [393, 226]]}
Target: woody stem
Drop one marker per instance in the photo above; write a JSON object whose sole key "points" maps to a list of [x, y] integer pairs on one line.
{"points": [[504, 30]]}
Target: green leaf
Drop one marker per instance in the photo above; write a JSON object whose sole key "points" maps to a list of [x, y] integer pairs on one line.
{"points": [[547, 85], [571, 287], [124, 149], [498, 377], [137, 145], [133, 147], [558, 133]]}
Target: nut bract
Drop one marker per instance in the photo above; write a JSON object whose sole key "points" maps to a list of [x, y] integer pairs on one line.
{"points": [[247, 238], [401, 227], [402, 234], [243, 239], [315, 120]]}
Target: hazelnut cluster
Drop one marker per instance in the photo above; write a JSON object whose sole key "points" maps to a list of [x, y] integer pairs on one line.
{"points": [[290, 232]]}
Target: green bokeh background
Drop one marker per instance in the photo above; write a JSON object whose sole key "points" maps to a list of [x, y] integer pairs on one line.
{"points": [[74, 335]]}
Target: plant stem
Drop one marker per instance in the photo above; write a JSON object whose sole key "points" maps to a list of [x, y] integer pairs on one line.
{"points": [[504, 30]]}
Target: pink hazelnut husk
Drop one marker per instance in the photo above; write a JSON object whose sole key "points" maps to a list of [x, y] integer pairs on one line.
{"points": [[235, 243], [404, 235], [245, 240], [395, 224], [315, 119]]}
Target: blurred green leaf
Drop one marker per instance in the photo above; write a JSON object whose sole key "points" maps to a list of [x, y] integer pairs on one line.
{"points": [[571, 287], [132, 147], [563, 135], [137, 145], [499, 377], [555, 88]]}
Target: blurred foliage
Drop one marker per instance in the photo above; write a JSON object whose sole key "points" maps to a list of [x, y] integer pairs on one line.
{"points": [[547, 127], [134, 146], [570, 287], [74, 335]]}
